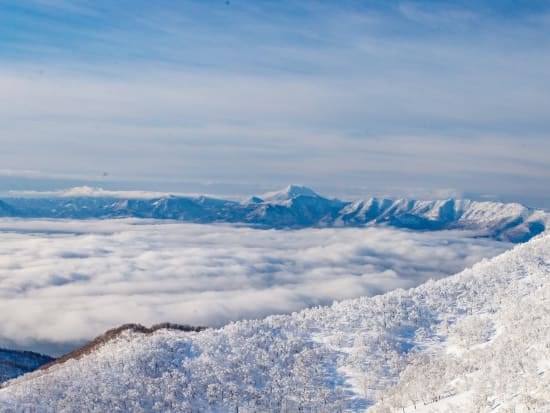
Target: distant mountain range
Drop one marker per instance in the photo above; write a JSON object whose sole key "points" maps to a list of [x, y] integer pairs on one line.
{"points": [[293, 207]]}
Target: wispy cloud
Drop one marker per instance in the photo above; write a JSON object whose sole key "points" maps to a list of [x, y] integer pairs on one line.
{"points": [[405, 95], [88, 191], [77, 279]]}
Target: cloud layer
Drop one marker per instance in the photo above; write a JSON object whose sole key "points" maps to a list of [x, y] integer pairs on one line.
{"points": [[62, 282]]}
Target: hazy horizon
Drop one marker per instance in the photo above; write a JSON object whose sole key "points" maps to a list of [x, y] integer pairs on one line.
{"points": [[29, 187]]}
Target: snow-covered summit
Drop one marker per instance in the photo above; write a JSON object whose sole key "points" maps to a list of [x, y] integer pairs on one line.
{"points": [[290, 192], [474, 342]]}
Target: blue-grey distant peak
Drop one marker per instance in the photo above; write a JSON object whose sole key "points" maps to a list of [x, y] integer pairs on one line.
{"points": [[290, 192]]}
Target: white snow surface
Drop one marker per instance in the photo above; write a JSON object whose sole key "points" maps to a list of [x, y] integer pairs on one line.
{"points": [[474, 342], [290, 192]]}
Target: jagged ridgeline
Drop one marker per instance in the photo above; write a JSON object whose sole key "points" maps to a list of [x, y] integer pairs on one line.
{"points": [[474, 342], [15, 363], [295, 207], [114, 334]]}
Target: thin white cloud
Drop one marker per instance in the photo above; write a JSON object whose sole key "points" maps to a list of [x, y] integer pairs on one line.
{"points": [[384, 97], [319, 130], [436, 16], [89, 191], [66, 281]]}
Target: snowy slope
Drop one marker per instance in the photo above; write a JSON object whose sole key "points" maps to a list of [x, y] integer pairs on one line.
{"points": [[288, 193], [293, 207], [15, 363], [474, 342]]}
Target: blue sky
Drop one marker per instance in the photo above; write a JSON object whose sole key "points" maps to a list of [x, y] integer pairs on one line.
{"points": [[422, 99]]}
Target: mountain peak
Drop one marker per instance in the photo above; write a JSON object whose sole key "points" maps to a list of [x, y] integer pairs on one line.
{"points": [[290, 192]]}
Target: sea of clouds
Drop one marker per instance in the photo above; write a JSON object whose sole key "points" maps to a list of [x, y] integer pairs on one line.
{"points": [[64, 282]]}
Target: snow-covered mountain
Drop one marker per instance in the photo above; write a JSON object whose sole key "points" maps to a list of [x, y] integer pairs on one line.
{"points": [[474, 342], [294, 207], [288, 194], [15, 363]]}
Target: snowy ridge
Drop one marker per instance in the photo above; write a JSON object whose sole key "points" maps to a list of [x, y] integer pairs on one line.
{"points": [[476, 341], [292, 207]]}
